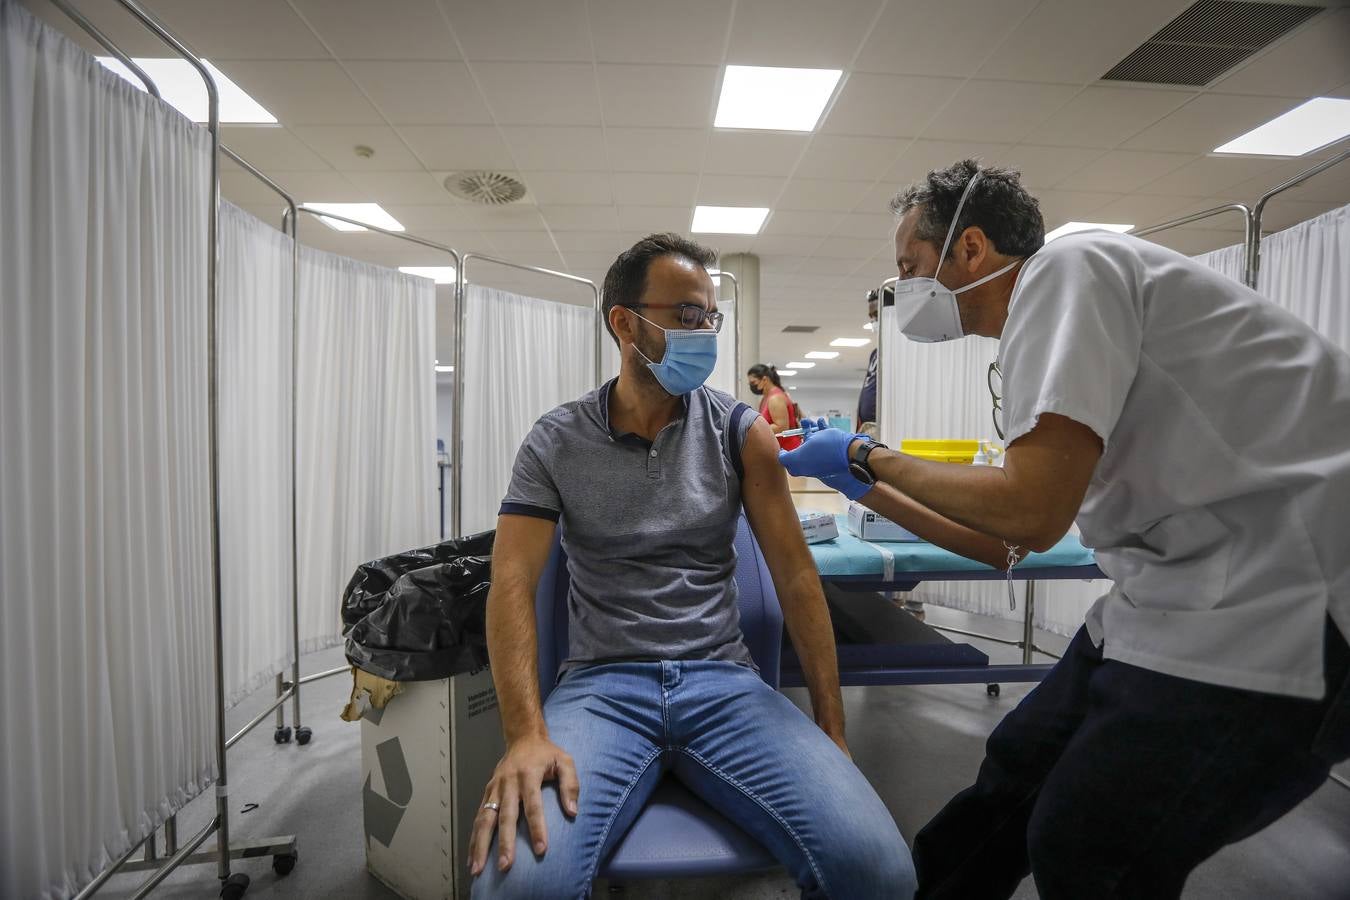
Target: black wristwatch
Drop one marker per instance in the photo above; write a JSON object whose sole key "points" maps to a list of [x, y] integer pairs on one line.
{"points": [[858, 466]]}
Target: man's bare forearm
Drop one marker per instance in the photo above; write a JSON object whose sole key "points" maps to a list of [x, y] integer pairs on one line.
{"points": [[935, 528], [808, 624], [513, 648]]}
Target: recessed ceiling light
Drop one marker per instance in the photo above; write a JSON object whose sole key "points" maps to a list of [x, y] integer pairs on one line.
{"points": [[1320, 121], [787, 374], [823, 354], [1072, 227], [870, 326], [773, 98], [438, 274], [850, 342], [371, 213], [183, 89], [441, 370], [801, 365], [729, 219]]}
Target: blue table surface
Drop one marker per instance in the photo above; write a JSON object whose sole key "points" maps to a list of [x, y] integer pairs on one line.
{"points": [[849, 555]]}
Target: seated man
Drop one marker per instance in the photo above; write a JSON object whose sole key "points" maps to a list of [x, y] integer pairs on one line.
{"points": [[647, 476]]}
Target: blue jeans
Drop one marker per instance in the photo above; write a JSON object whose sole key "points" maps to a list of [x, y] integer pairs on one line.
{"points": [[735, 742]]}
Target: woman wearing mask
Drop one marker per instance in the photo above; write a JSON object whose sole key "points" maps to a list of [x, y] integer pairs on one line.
{"points": [[777, 406]]}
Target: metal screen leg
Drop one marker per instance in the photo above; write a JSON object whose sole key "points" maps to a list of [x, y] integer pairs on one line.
{"points": [[1029, 610]]}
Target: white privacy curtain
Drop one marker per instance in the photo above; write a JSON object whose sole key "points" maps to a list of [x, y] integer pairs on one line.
{"points": [[724, 376], [254, 346], [522, 357], [1231, 261], [105, 648], [941, 391], [366, 427], [1306, 269]]}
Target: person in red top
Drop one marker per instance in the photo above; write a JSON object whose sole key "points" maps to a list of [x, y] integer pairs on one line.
{"points": [[777, 406]]}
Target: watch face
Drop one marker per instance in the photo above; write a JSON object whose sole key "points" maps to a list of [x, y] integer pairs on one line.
{"points": [[861, 472]]}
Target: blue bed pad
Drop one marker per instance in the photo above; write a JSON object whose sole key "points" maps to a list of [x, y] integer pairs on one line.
{"points": [[848, 556]]}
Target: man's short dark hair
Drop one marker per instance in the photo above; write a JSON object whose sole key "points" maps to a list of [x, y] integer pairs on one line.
{"points": [[998, 204], [627, 277]]}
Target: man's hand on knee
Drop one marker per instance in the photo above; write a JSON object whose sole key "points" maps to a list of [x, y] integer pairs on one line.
{"points": [[516, 782]]}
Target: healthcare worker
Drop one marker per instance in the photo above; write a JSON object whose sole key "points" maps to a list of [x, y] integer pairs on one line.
{"points": [[1200, 435]]}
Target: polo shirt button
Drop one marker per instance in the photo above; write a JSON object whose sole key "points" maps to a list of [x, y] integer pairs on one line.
{"points": [[653, 454]]}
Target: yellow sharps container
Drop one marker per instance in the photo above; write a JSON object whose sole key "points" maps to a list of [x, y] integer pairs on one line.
{"points": [[951, 451]]}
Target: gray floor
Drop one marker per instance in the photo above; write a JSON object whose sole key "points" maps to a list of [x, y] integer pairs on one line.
{"points": [[919, 745]]}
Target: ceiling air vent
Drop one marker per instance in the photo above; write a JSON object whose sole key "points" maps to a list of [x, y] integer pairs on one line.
{"points": [[486, 188], [1208, 39], [801, 329]]}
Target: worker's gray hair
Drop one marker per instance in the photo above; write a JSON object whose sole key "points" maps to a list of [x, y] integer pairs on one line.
{"points": [[998, 205]]}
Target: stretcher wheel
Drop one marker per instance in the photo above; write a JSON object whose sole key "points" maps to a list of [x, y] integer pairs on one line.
{"points": [[282, 863], [282, 735], [233, 888], [992, 690], [303, 734]]}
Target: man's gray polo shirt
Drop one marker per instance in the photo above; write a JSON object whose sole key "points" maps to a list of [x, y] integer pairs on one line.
{"points": [[648, 527]]}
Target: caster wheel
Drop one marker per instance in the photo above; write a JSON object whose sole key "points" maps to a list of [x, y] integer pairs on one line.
{"points": [[992, 690], [282, 735], [234, 886], [303, 734], [282, 863]]}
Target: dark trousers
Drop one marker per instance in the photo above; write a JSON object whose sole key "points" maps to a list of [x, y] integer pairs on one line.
{"points": [[1113, 781]]}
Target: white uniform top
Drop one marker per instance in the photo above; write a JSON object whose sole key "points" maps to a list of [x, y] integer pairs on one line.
{"points": [[1221, 504]]}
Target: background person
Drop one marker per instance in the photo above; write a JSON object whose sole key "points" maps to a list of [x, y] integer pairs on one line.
{"points": [[777, 407]]}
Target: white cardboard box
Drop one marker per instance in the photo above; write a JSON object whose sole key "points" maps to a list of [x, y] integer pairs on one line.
{"points": [[872, 526], [425, 759], [818, 526]]}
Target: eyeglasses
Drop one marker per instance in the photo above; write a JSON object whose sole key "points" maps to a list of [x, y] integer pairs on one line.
{"points": [[994, 378], [691, 314]]}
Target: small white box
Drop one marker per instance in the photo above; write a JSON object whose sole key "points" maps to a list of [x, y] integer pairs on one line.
{"points": [[425, 759], [872, 526], [818, 526]]}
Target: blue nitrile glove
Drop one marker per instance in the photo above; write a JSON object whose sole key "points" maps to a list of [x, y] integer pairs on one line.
{"points": [[823, 453], [847, 485]]}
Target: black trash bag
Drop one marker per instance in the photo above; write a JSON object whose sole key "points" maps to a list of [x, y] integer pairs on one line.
{"points": [[432, 622], [371, 581]]}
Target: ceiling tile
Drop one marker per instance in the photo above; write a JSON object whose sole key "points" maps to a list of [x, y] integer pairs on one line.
{"points": [[357, 29], [557, 149], [302, 92], [801, 33], [570, 188], [600, 261], [590, 241], [786, 244], [888, 105], [1105, 116], [1209, 121], [540, 93], [1309, 63], [453, 147], [862, 157], [521, 30], [655, 218], [271, 148], [428, 220], [877, 226], [823, 194], [1124, 171], [1143, 210], [739, 190], [1087, 39], [949, 38], [753, 152], [421, 92], [241, 188], [922, 157], [816, 223], [657, 31], [335, 144], [643, 189], [1211, 176], [1194, 241], [877, 200], [655, 149], [826, 265], [849, 247], [665, 96], [1281, 212], [1046, 166], [399, 187], [246, 29], [581, 218], [998, 111], [518, 217], [1058, 207], [524, 244], [124, 31]]}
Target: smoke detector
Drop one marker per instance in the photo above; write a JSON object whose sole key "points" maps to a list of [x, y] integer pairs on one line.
{"points": [[485, 188]]}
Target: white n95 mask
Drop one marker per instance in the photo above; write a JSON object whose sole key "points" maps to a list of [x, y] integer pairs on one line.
{"points": [[926, 308]]}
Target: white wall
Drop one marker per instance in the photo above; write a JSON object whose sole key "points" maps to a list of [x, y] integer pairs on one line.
{"points": [[818, 400]]}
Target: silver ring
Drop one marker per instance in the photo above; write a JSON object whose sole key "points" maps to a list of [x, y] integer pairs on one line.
{"points": [[492, 806]]}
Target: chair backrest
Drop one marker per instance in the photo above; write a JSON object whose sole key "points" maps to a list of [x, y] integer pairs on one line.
{"points": [[761, 617]]}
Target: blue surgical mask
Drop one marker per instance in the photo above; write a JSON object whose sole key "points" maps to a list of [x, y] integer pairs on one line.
{"points": [[688, 361]]}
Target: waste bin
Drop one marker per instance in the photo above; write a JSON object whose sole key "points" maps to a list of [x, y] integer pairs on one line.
{"points": [[416, 619]]}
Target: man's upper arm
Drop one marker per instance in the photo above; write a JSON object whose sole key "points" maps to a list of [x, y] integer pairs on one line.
{"points": [[520, 552], [768, 505]]}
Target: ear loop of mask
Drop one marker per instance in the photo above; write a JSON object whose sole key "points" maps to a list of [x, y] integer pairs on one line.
{"points": [[951, 229]]}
